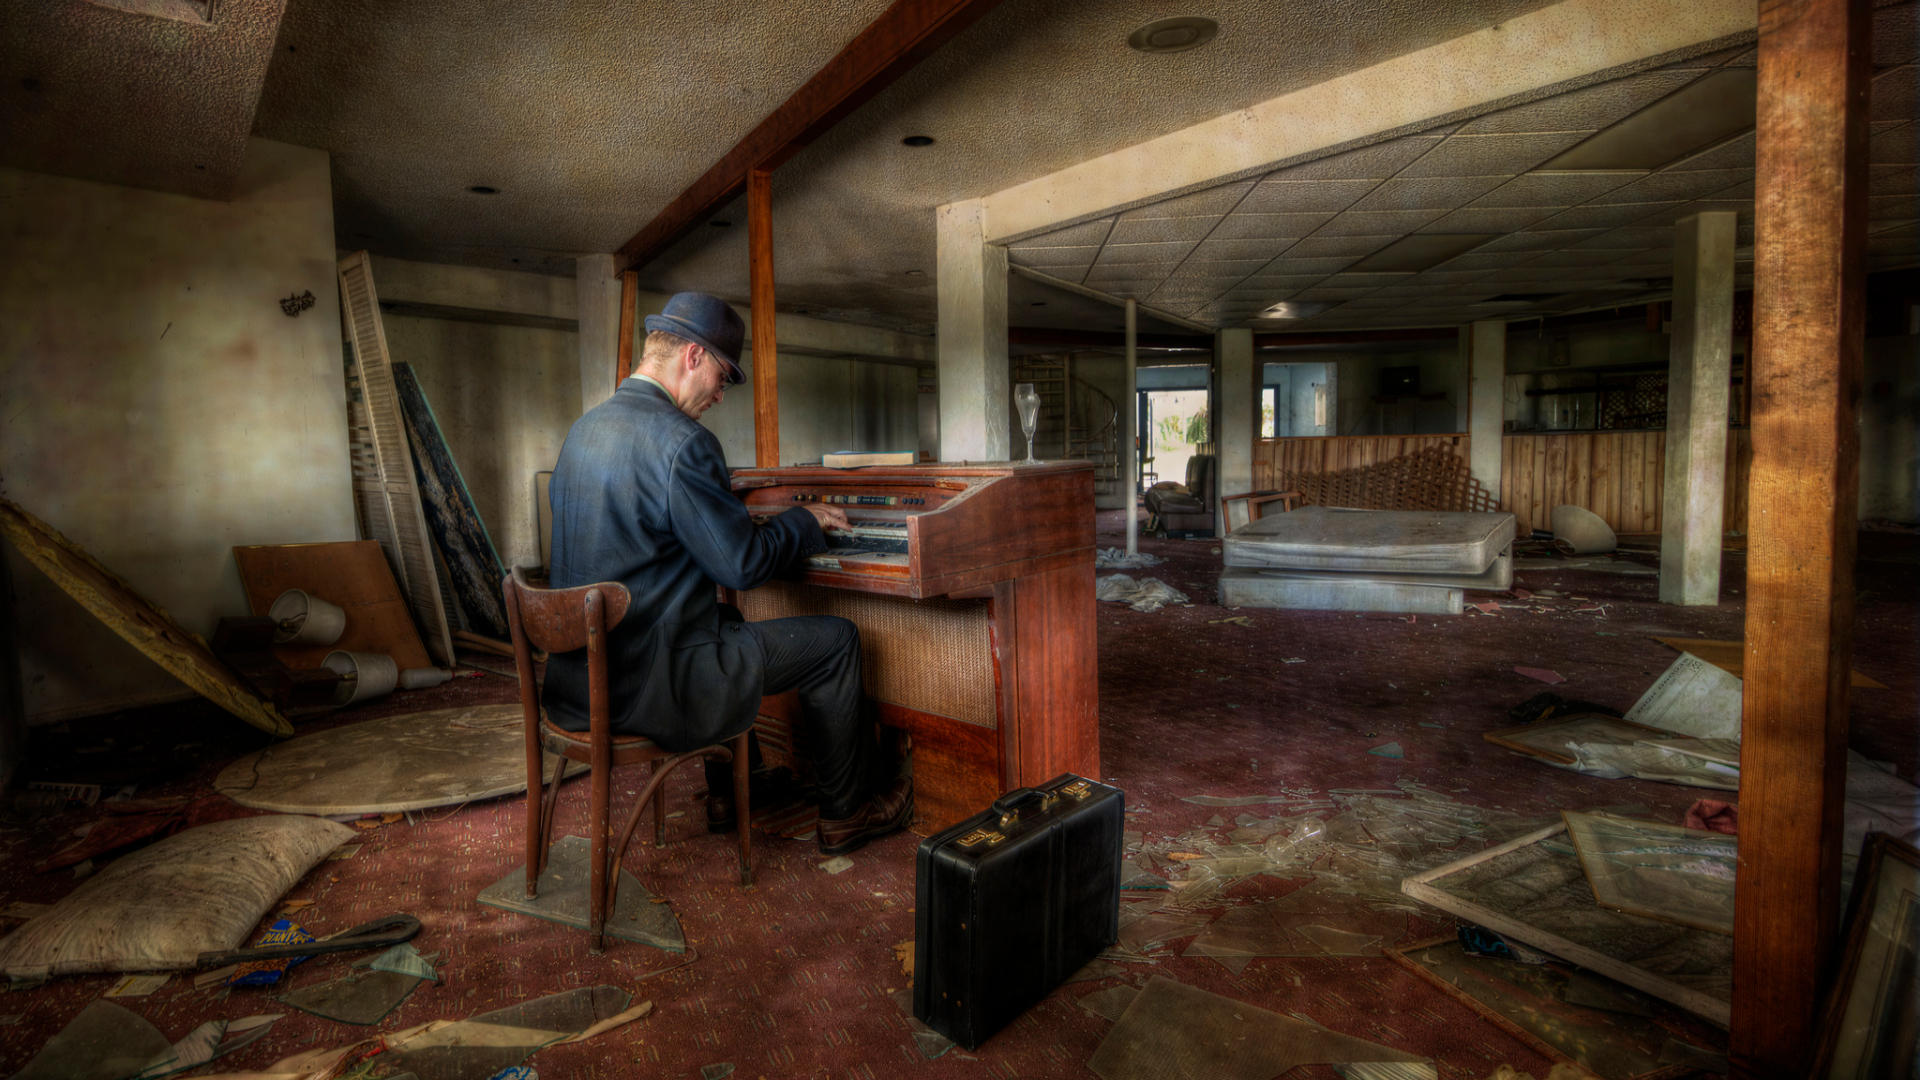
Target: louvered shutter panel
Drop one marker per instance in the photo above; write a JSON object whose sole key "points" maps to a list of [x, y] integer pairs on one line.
{"points": [[384, 495]]}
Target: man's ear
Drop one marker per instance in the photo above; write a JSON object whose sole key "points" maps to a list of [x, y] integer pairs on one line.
{"points": [[690, 357]]}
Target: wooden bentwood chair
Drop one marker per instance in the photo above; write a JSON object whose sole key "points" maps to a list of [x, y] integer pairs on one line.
{"points": [[562, 620]]}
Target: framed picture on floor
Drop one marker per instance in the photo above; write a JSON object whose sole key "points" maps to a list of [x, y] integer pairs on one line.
{"points": [[1872, 1024]]}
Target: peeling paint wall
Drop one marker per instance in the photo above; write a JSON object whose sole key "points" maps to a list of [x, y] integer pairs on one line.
{"points": [[504, 397], [160, 408]]}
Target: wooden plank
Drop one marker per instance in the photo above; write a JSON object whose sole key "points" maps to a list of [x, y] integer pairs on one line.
{"points": [[110, 599], [353, 575], [629, 312], [1809, 322], [906, 33], [473, 563], [1058, 680], [766, 356]]}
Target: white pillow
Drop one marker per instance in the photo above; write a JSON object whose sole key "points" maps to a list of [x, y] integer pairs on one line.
{"points": [[159, 908]]}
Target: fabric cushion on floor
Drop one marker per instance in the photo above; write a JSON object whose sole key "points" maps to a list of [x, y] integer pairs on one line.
{"points": [[159, 908]]}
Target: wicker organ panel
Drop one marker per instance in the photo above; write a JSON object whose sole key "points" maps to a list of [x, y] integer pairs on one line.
{"points": [[934, 656]]}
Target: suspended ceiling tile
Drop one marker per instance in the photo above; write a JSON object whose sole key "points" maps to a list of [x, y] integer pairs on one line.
{"points": [[1585, 110], [1040, 258], [1376, 162], [1131, 231], [1487, 155], [1320, 295], [1889, 206], [1639, 237], [1291, 264], [1168, 254], [1890, 245], [1735, 153], [1246, 226], [1602, 217], [1101, 276], [1742, 192], [1893, 93], [1542, 241], [1226, 250], [1088, 233], [1329, 246], [1488, 219], [1370, 281], [1555, 260], [1490, 260], [1286, 197], [1895, 146], [1675, 184], [1724, 56], [1212, 286], [1554, 189], [1896, 35], [1376, 222], [1893, 180], [1909, 228], [1211, 202], [1452, 275], [1428, 193], [1195, 266], [1276, 288]]}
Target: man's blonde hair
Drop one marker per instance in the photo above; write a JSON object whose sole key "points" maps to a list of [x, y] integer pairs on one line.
{"points": [[661, 347]]}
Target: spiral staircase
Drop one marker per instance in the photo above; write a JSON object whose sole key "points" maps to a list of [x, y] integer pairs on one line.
{"points": [[1077, 420]]}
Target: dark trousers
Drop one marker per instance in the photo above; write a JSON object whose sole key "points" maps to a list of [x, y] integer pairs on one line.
{"points": [[818, 655]]}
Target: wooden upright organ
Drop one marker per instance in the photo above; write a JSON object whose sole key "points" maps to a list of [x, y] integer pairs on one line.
{"points": [[973, 589]]}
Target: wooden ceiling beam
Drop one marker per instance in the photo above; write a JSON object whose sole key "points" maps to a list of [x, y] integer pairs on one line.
{"points": [[905, 34]]}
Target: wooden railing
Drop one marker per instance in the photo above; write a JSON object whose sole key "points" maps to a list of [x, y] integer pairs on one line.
{"points": [[1619, 475], [1272, 457]]}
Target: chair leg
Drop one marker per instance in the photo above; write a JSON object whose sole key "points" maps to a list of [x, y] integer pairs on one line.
{"points": [[660, 769], [743, 809], [659, 808], [599, 889], [550, 803]]}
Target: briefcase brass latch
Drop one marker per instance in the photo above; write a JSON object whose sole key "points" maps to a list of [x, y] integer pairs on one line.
{"points": [[982, 836], [1079, 789]]}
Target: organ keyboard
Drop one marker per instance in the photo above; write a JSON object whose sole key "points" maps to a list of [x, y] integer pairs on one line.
{"points": [[973, 589]]}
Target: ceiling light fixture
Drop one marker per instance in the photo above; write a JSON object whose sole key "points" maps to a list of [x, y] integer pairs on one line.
{"points": [[917, 140], [1173, 35], [1295, 309], [1421, 251], [482, 189], [916, 273], [721, 224], [1694, 117]]}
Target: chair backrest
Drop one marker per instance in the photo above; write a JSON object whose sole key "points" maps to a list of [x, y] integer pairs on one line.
{"points": [[556, 620], [1200, 477]]}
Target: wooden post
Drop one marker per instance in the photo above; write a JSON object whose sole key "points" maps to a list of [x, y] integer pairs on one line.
{"points": [[1809, 321], [629, 309], [766, 361]]}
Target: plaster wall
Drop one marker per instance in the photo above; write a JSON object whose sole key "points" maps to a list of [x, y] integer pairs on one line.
{"points": [[826, 404], [160, 406], [1357, 382], [504, 397]]}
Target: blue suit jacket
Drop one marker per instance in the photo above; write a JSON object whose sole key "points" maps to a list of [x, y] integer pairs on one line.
{"points": [[641, 496]]}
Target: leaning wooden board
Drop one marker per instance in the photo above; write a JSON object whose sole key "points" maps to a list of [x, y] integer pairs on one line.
{"points": [[471, 559], [352, 575], [144, 626]]}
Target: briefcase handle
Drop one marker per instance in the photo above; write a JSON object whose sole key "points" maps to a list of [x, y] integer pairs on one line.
{"points": [[1006, 804]]}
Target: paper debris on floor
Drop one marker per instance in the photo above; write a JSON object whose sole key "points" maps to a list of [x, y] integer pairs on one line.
{"points": [[137, 985], [1118, 559], [1144, 595], [1692, 697]]}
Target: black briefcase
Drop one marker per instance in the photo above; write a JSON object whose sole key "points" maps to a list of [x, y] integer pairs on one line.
{"points": [[1011, 902]]}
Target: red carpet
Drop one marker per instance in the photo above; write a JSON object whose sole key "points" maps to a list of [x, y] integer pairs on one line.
{"points": [[793, 979]]}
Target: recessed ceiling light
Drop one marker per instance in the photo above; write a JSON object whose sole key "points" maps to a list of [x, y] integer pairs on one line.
{"points": [[1691, 118], [482, 189], [1038, 303], [1421, 251], [917, 140], [721, 224], [1519, 298], [1295, 309], [916, 273], [1173, 35]]}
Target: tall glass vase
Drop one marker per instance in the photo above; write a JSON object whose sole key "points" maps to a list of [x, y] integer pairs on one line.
{"points": [[1028, 399]]}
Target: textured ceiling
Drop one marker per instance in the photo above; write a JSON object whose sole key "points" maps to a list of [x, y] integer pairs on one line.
{"points": [[150, 102], [590, 119]]}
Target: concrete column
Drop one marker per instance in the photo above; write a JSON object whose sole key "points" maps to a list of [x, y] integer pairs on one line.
{"points": [[1131, 441], [598, 294], [972, 295], [1486, 407], [1238, 422], [1699, 365]]}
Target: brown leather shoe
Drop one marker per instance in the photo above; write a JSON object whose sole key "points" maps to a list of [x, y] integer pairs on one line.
{"points": [[887, 811]]}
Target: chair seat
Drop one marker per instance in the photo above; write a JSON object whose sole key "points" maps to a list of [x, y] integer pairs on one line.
{"points": [[578, 745]]}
